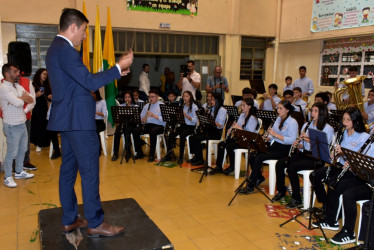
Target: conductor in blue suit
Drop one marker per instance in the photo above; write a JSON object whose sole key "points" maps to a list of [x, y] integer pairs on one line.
{"points": [[73, 115]]}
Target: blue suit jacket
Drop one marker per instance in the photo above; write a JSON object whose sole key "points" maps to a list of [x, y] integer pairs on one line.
{"points": [[73, 107]]}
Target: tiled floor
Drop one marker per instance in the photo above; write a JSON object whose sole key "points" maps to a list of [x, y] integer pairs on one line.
{"points": [[193, 215]]}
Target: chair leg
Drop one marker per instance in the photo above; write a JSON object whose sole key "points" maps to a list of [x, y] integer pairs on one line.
{"points": [[272, 177], [103, 142], [238, 159], [50, 150], [133, 144], [188, 147], [158, 148], [306, 190]]}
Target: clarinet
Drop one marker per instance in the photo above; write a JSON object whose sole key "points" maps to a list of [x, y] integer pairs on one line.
{"points": [[266, 134], [344, 170], [146, 115], [298, 140], [336, 141], [228, 134]]}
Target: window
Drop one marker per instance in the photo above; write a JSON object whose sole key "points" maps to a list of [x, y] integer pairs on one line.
{"points": [[252, 62], [162, 43], [339, 54]]}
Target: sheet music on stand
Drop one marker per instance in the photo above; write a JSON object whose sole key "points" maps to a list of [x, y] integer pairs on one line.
{"points": [[140, 105], [122, 114], [266, 116], [334, 121], [172, 114], [232, 112], [361, 164], [255, 141], [236, 98], [206, 120]]}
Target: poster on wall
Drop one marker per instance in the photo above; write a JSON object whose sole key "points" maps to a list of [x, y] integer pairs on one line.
{"points": [[341, 14], [183, 7]]}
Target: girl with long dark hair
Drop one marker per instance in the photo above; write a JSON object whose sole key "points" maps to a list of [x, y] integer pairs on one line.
{"points": [[298, 162], [190, 119], [353, 138], [39, 135], [283, 133], [219, 114], [247, 121]]}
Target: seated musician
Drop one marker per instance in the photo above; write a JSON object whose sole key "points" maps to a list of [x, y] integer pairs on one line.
{"points": [[129, 101], [353, 138], [368, 114], [288, 95], [190, 119], [247, 121], [219, 114], [248, 93], [300, 161], [355, 189], [154, 125], [172, 97], [330, 105], [297, 99], [135, 93], [270, 100], [208, 99], [284, 133]]}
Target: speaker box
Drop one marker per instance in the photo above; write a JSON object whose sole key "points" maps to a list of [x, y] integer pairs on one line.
{"points": [[19, 53]]}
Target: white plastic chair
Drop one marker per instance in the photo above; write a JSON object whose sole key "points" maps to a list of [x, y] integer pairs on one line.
{"points": [[239, 152], [272, 175], [306, 187], [360, 203], [160, 138]]}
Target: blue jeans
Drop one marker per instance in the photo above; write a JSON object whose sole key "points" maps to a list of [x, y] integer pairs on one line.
{"points": [[16, 140]]}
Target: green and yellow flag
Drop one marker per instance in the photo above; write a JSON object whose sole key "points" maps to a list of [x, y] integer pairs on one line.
{"points": [[98, 54], [86, 44], [108, 62]]}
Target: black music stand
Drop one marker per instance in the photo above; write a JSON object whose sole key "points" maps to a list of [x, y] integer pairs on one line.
{"points": [[363, 166], [337, 112], [258, 85], [236, 98], [206, 122], [140, 105], [124, 115], [320, 152], [266, 116], [334, 120], [233, 115], [249, 140], [173, 115]]}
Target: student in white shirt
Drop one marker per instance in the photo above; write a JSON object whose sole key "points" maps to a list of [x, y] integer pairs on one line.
{"points": [[271, 100]]}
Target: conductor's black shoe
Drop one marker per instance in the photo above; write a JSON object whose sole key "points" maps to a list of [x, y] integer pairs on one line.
{"points": [[198, 163], [260, 181], [151, 159], [139, 156], [228, 170], [294, 204], [247, 190], [278, 196], [115, 157]]}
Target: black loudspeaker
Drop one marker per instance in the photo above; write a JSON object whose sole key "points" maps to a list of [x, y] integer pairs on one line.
{"points": [[19, 53]]}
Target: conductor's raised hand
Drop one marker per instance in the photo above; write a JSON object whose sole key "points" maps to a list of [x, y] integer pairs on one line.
{"points": [[125, 62]]}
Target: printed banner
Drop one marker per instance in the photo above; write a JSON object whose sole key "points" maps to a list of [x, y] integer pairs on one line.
{"points": [[183, 7], [341, 14]]}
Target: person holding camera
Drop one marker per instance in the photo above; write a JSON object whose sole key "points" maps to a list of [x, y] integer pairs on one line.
{"points": [[189, 80], [217, 83]]}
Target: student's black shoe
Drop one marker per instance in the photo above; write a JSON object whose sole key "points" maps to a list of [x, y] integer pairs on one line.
{"points": [[139, 156], [294, 204], [260, 181], [247, 190], [55, 154], [191, 160], [115, 157], [343, 237], [198, 163], [151, 159], [228, 170], [278, 196]]}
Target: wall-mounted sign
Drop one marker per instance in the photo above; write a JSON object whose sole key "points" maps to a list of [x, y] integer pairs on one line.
{"points": [[183, 7], [341, 14]]}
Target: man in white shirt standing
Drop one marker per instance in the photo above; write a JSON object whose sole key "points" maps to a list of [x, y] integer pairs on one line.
{"points": [[144, 83], [12, 98], [305, 83], [190, 80]]}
